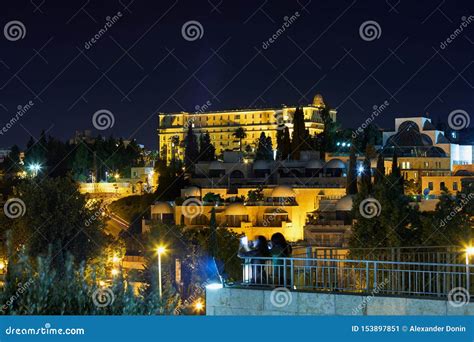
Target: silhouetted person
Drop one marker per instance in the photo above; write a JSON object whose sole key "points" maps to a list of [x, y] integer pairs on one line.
{"points": [[280, 249], [258, 251]]}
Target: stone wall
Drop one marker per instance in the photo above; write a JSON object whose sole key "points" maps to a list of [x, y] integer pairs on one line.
{"points": [[235, 301]]}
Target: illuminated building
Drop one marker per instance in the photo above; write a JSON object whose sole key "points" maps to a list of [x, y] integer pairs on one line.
{"points": [[290, 191], [423, 150], [221, 125]]}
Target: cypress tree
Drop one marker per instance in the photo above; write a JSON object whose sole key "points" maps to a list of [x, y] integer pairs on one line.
{"points": [[191, 151], [351, 186], [380, 171]]}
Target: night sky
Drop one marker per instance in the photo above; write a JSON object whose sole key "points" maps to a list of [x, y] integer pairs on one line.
{"points": [[143, 65]]}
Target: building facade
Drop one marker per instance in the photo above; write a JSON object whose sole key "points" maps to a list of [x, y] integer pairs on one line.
{"points": [[221, 125]]}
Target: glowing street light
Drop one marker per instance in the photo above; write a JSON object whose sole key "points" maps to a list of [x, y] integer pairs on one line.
{"points": [[117, 176], [198, 306], [34, 169], [160, 250], [115, 272]]}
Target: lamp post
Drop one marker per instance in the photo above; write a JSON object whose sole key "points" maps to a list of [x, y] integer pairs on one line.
{"points": [[160, 250]]}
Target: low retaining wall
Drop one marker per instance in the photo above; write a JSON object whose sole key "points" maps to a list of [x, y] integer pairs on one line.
{"points": [[238, 301]]}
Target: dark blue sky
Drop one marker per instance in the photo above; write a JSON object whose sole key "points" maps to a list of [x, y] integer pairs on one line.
{"points": [[143, 65]]}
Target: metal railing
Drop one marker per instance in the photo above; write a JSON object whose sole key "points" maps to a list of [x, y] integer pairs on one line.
{"points": [[362, 276]]}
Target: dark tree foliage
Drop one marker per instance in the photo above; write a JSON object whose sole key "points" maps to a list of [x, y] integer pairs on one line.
{"points": [[191, 150], [286, 147], [380, 170], [56, 214], [396, 172], [207, 151], [240, 134], [300, 137], [264, 148], [170, 180], [351, 186]]}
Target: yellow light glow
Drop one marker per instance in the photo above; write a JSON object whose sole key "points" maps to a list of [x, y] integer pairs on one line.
{"points": [[160, 250], [115, 259], [117, 176], [470, 250], [102, 283], [115, 272], [199, 306], [2, 265]]}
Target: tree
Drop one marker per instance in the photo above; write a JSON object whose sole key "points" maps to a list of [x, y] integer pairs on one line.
{"points": [[82, 162], [191, 152], [300, 137], [264, 148], [286, 148], [325, 141], [213, 233], [380, 170], [351, 186], [255, 195], [207, 151], [240, 134], [280, 136], [57, 214], [396, 173]]}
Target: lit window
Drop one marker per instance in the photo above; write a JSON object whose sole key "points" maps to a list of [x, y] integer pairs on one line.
{"points": [[430, 185]]}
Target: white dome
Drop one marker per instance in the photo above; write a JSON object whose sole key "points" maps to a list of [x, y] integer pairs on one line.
{"points": [[236, 209], [335, 164], [315, 164], [216, 165], [162, 208], [283, 191], [318, 100], [345, 203], [192, 191], [261, 165]]}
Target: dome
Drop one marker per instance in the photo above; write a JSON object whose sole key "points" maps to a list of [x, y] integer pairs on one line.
{"points": [[192, 191], [283, 191], [409, 135], [162, 208], [345, 203], [236, 209], [216, 165], [335, 164], [463, 173], [428, 126], [314, 164], [318, 100], [261, 165]]}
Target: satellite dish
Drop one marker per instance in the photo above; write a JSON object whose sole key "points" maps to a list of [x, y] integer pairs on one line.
{"points": [[426, 192]]}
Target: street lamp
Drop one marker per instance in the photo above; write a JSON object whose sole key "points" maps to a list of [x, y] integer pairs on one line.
{"points": [[34, 168], [198, 306], [160, 250]]}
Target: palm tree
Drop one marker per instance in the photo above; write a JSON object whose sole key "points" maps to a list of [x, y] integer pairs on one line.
{"points": [[174, 146], [240, 134]]}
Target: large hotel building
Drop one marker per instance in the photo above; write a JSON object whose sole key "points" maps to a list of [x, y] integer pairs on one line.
{"points": [[221, 125]]}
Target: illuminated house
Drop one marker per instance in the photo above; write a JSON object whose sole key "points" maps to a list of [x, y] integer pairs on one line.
{"points": [[423, 150], [172, 127], [288, 192]]}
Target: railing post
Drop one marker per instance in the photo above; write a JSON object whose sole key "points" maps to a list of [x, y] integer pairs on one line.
{"points": [[375, 274], [284, 273], [367, 276], [292, 280]]}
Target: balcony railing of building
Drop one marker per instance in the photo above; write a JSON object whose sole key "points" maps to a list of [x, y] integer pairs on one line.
{"points": [[358, 276]]}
